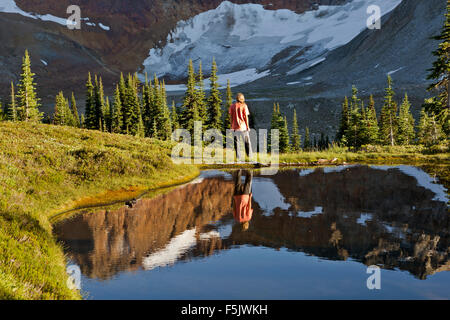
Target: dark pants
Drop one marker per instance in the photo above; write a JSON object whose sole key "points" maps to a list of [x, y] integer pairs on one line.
{"points": [[238, 140], [239, 188]]}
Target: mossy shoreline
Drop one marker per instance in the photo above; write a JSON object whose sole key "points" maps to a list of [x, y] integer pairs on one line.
{"points": [[48, 172]]}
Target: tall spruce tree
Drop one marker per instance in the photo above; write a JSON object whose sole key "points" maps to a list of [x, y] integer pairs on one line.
{"points": [[147, 98], [296, 138], [344, 124], [99, 104], [90, 116], [284, 135], [174, 117], [130, 107], [76, 117], [440, 74], [228, 103], [107, 112], [353, 133], [307, 142], [373, 130], [429, 129], [27, 100], [62, 115], [406, 133], [116, 119], [11, 110], [164, 121], [276, 123], [214, 101], [201, 98], [190, 112], [388, 119]]}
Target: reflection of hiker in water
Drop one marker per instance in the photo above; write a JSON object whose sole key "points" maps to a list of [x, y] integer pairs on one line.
{"points": [[242, 199]]}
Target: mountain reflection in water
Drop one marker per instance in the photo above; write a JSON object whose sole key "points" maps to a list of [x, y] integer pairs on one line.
{"points": [[375, 215]]}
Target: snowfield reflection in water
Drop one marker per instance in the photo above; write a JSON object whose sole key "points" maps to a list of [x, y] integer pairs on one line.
{"points": [[275, 230]]}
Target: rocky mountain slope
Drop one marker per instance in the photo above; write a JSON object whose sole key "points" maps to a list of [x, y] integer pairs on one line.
{"points": [[115, 36]]}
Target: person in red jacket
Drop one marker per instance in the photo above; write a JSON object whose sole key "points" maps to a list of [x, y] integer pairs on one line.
{"points": [[239, 116], [242, 198]]}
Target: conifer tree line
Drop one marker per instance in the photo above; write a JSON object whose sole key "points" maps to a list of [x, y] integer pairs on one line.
{"points": [[292, 142], [141, 109], [395, 125]]}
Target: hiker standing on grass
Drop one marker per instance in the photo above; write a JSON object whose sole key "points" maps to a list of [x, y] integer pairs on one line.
{"points": [[240, 126]]}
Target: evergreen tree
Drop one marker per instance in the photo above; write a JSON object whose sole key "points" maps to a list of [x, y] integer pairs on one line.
{"points": [[11, 110], [154, 130], [116, 119], [276, 123], [201, 98], [60, 115], [440, 73], [107, 112], [214, 101], [147, 103], [76, 117], [372, 123], [406, 134], [389, 120], [429, 129], [90, 116], [164, 122], [99, 105], [353, 132], [174, 117], [140, 131], [296, 138], [122, 88], [284, 135], [190, 112], [229, 102], [130, 107], [307, 142], [82, 121], [28, 102], [344, 124]]}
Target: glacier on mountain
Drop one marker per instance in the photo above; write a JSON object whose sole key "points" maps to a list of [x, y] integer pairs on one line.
{"points": [[247, 36]]}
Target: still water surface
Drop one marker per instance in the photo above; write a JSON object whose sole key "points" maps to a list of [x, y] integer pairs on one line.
{"points": [[300, 234]]}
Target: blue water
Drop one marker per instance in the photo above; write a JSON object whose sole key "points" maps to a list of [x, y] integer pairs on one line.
{"points": [[307, 239]]}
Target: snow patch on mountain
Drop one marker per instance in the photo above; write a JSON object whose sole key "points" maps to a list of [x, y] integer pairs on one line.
{"points": [[9, 6], [247, 36], [235, 78]]}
